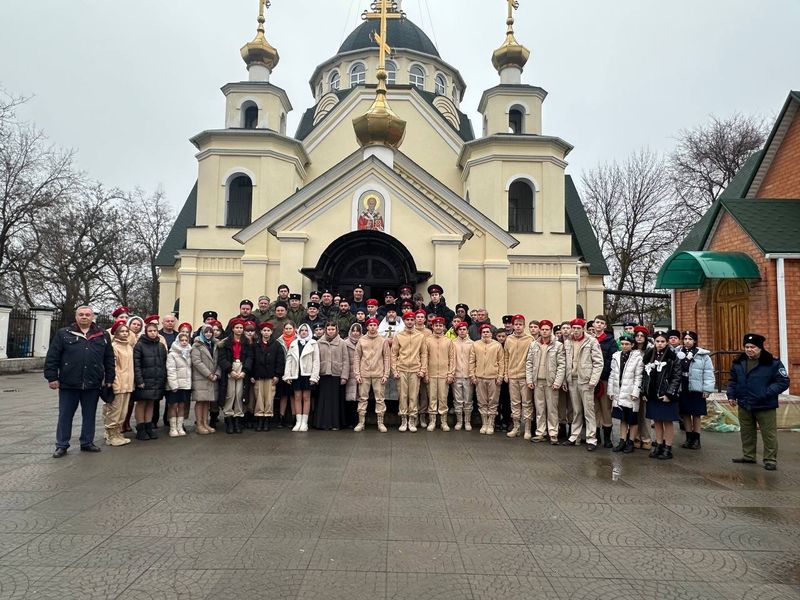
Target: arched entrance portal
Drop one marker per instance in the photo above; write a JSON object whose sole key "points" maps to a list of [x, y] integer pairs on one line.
{"points": [[731, 314], [370, 258]]}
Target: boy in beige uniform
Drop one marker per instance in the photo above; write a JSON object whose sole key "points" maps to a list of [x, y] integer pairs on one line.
{"points": [[544, 372], [439, 373], [516, 352], [486, 371], [462, 386], [420, 324], [371, 369], [584, 365], [409, 358]]}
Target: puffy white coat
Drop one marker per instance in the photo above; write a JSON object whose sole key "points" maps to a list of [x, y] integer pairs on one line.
{"points": [[626, 390], [306, 364], [179, 368]]}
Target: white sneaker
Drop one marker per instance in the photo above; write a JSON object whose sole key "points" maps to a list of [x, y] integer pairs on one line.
{"points": [[403, 424], [304, 423], [297, 422]]}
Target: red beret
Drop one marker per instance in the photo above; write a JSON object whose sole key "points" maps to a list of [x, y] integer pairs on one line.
{"points": [[421, 311], [408, 315], [237, 321], [265, 324], [216, 324], [373, 320], [485, 326], [120, 310], [544, 322], [187, 325], [152, 319], [641, 329], [117, 324], [579, 322], [518, 318], [372, 302], [436, 320]]}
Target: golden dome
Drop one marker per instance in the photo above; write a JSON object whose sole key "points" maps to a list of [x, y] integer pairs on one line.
{"points": [[380, 125], [259, 51], [511, 53]]}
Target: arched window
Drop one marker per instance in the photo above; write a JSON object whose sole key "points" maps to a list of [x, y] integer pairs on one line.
{"points": [[334, 81], [520, 207], [391, 72], [441, 85], [358, 74], [240, 202], [249, 115], [416, 77], [516, 120]]}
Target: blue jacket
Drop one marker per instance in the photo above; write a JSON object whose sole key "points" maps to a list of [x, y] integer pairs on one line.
{"points": [[758, 389], [78, 361], [701, 371]]}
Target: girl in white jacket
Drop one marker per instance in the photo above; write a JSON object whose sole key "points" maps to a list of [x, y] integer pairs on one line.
{"points": [[624, 389], [179, 383], [302, 371]]}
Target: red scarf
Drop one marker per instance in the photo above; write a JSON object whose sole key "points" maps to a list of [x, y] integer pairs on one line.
{"points": [[237, 349]]}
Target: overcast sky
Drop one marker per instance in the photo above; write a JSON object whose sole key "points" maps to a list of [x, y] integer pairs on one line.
{"points": [[126, 84]]}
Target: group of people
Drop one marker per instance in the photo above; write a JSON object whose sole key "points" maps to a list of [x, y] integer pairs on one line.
{"points": [[556, 383]]}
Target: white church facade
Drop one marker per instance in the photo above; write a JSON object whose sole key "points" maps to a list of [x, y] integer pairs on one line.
{"points": [[378, 195]]}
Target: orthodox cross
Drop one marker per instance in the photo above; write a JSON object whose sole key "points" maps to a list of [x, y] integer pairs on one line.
{"points": [[512, 6], [382, 10], [263, 5]]}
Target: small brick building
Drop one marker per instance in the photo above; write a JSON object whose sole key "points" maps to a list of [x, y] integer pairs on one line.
{"points": [[738, 269]]}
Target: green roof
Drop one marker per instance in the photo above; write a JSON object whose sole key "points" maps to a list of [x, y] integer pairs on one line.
{"points": [[176, 240], [583, 236], [689, 270], [774, 225]]}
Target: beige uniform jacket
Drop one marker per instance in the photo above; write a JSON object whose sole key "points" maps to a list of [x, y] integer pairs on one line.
{"points": [[589, 366], [441, 357], [487, 361], [555, 363], [409, 352], [372, 357], [516, 351], [462, 349]]}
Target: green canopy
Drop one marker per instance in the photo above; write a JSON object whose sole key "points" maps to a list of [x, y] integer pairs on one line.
{"points": [[689, 270]]}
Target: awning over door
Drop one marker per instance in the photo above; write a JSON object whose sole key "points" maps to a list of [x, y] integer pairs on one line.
{"points": [[689, 270]]}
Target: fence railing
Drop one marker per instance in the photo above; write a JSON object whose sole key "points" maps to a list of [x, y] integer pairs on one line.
{"points": [[21, 333]]}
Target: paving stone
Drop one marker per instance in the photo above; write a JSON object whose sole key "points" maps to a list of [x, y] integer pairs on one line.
{"points": [[424, 557]]}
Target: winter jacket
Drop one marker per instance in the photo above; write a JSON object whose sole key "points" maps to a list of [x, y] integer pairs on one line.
{"points": [[179, 368], [225, 355], [344, 322], [701, 370], [204, 363], [462, 350], [296, 316], [441, 357], [667, 372], [333, 357], [625, 388], [608, 346], [123, 365], [268, 361], [306, 364], [486, 360], [474, 330], [409, 352], [372, 357], [78, 361], [149, 368], [758, 389], [516, 351], [351, 391], [556, 363], [590, 360], [441, 310]]}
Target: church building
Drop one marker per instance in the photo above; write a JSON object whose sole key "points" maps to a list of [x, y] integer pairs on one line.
{"points": [[384, 183]]}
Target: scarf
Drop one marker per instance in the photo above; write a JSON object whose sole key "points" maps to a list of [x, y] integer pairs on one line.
{"points": [[288, 339]]}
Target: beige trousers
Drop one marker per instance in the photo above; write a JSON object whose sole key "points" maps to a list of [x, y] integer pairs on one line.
{"points": [[234, 397], [264, 391], [409, 392], [520, 399], [546, 400], [437, 396], [644, 422], [462, 395], [602, 410], [424, 401], [583, 411], [487, 396], [374, 384], [115, 412], [564, 407]]}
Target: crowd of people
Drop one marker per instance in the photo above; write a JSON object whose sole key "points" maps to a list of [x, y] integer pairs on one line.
{"points": [[281, 363]]}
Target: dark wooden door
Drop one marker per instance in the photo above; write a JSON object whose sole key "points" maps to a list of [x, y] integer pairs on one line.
{"points": [[731, 319]]}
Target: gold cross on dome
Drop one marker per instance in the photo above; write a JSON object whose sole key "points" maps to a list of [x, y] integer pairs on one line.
{"points": [[382, 10], [263, 5], [512, 6]]}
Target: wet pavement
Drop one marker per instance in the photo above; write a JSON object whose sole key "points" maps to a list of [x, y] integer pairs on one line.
{"points": [[426, 515]]}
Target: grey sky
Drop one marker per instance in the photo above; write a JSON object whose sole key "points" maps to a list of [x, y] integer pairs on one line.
{"points": [[126, 84]]}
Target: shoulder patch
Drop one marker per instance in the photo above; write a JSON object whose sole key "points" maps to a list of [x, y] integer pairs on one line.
{"points": [[782, 372]]}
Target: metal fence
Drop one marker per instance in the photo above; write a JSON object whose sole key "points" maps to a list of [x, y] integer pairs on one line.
{"points": [[21, 332], [60, 320]]}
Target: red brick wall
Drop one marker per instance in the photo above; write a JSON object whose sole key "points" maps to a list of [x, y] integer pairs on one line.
{"points": [[783, 177], [791, 271]]}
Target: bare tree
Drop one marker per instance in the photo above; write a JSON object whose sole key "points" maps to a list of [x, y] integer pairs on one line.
{"points": [[632, 209], [708, 156]]}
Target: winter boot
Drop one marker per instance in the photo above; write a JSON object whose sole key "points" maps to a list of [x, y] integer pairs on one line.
{"points": [[423, 422], [141, 432], [562, 432], [403, 423], [265, 427], [695, 445], [514, 432], [238, 423], [620, 445], [445, 425], [228, 425], [666, 454], [298, 421], [412, 424], [304, 423], [431, 424], [173, 427], [249, 420], [467, 420], [459, 419], [608, 443], [489, 426], [689, 439], [381, 426], [656, 450], [181, 430], [527, 427], [151, 431], [629, 447], [361, 418], [213, 418], [483, 423]]}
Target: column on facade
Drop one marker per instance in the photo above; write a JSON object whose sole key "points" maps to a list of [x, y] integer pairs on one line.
{"points": [[40, 326], [293, 246], [168, 290], [5, 315], [254, 274], [495, 276], [445, 265]]}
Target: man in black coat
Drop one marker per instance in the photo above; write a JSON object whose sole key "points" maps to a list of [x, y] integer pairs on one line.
{"points": [[602, 403], [756, 380], [438, 307], [80, 361]]}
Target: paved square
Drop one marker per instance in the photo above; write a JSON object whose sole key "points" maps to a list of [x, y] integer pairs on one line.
{"points": [[428, 515]]}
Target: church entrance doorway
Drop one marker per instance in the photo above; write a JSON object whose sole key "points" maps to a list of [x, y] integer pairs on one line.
{"points": [[731, 312], [372, 259]]}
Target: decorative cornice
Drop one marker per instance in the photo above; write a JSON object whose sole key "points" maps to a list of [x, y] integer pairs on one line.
{"points": [[258, 87]]}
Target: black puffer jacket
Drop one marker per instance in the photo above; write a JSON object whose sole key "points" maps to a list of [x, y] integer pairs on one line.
{"points": [[225, 355], [79, 361], [269, 361], [149, 369], [608, 346], [668, 375], [441, 310]]}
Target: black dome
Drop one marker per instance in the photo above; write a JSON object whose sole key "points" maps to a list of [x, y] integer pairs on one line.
{"points": [[401, 33]]}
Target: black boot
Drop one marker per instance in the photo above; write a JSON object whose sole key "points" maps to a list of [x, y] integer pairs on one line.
{"points": [[151, 431], [562, 431], [237, 424], [279, 422], [688, 442], [629, 447], [141, 432], [656, 450], [265, 424], [213, 419], [666, 454], [695, 445], [229, 425], [249, 420], [608, 443], [260, 423], [620, 446]]}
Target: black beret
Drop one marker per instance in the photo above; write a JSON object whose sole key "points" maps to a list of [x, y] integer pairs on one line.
{"points": [[210, 314], [313, 304], [435, 289]]}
